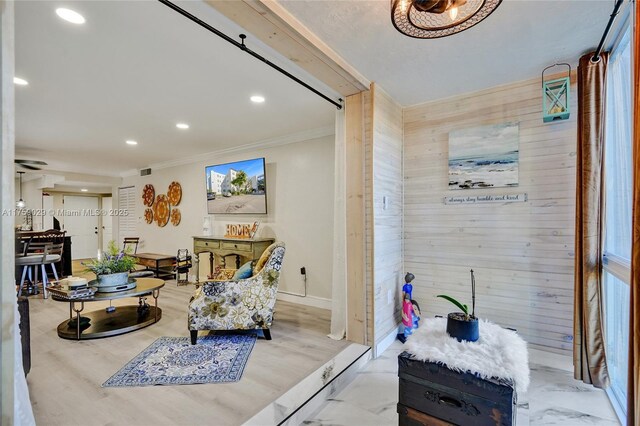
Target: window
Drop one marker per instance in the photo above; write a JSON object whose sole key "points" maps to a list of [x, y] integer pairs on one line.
{"points": [[617, 243], [127, 224]]}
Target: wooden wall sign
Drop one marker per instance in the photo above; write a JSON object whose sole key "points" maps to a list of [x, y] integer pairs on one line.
{"points": [[242, 230], [483, 199]]}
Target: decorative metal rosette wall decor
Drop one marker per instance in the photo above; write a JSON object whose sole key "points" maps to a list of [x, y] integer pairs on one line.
{"points": [[148, 194], [176, 216], [161, 210], [439, 18], [148, 216], [174, 193]]}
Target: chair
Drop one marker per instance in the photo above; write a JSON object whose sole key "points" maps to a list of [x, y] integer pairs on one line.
{"points": [[131, 242], [45, 248], [41, 254], [239, 305]]}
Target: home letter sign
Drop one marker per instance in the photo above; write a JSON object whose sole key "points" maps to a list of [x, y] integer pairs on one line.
{"points": [[241, 230]]}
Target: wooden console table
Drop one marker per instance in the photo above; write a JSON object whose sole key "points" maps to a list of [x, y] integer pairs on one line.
{"points": [[220, 247]]}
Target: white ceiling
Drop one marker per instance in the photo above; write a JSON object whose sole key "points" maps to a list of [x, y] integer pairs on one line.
{"points": [[514, 43], [134, 70]]}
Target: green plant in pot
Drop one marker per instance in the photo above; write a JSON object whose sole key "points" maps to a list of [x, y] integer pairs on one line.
{"points": [[462, 325], [112, 268]]}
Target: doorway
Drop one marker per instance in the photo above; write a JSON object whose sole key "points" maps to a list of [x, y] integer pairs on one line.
{"points": [[81, 224], [107, 222]]}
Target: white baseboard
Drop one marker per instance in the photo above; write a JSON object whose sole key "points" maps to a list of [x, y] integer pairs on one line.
{"points": [[384, 344], [317, 302]]}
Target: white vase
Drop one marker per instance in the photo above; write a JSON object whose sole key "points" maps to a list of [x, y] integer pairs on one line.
{"points": [[207, 226]]}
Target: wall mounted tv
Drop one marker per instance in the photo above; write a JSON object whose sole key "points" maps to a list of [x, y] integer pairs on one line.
{"points": [[237, 188]]}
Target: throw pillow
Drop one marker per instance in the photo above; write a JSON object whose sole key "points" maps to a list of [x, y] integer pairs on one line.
{"points": [[245, 271], [263, 259], [221, 274]]}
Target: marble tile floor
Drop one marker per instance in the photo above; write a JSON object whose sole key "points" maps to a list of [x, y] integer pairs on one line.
{"points": [[553, 398]]}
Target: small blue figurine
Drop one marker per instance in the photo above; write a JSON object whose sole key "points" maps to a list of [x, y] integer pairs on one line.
{"points": [[407, 288], [410, 309]]}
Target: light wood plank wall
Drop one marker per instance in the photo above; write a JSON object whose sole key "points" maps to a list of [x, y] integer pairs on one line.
{"points": [[522, 253], [368, 202], [356, 228], [383, 157]]}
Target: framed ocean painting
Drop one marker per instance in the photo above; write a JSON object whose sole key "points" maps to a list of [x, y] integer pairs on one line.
{"points": [[484, 157]]}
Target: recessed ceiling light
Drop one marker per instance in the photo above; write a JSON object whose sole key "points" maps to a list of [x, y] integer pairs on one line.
{"points": [[257, 99], [182, 126], [84, 190], [130, 142], [70, 15], [20, 81]]}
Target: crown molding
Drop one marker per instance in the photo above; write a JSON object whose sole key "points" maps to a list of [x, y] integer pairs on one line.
{"points": [[262, 144]]}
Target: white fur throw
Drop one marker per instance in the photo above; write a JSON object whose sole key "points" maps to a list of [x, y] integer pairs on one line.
{"points": [[498, 353]]}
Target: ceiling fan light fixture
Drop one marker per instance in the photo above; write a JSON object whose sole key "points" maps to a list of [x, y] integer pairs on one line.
{"points": [[439, 18], [30, 164]]}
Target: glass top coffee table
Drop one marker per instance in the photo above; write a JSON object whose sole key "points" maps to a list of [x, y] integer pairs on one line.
{"points": [[122, 319]]}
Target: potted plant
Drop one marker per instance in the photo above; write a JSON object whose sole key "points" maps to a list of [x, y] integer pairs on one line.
{"points": [[112, 268], [461, 325]]}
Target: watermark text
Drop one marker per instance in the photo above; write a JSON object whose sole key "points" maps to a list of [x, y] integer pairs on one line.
{"points": [[65, 212]]}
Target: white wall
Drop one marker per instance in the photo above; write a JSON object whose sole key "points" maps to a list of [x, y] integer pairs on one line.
{"points": [[299, 203]]}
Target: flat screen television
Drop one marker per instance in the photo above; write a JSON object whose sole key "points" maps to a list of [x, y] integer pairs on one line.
{"points": [[237, 188]]}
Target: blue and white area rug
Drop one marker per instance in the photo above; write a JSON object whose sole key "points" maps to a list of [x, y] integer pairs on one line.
{"points": [[174, 361]]}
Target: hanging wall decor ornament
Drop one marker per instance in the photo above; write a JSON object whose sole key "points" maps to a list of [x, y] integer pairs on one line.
{"points": [[555, 96], [148, 194], [438, 18], [161, 210], [176, 216], [148, 216], [174, 194]]}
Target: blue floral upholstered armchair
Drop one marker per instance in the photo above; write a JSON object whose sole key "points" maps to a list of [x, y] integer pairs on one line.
{"points": [[244, 304]]}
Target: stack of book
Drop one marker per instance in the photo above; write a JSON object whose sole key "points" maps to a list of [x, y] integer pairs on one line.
{"points": [[80, 293]]}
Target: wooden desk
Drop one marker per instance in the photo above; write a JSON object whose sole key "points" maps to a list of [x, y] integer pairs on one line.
{"points": [[220, 248], [156, 262]]}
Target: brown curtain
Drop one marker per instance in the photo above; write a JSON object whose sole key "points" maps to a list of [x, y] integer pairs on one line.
{"points": [[589, 360], [633, 390]]}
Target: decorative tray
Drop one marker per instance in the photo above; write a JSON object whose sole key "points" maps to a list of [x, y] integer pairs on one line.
{"points": [[83, 293], [131, 283]]}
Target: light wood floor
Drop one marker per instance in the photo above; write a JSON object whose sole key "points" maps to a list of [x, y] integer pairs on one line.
{"points": [[66, 375]]}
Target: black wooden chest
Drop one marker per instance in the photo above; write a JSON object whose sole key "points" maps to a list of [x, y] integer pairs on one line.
{"points": [[431, 394]]}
